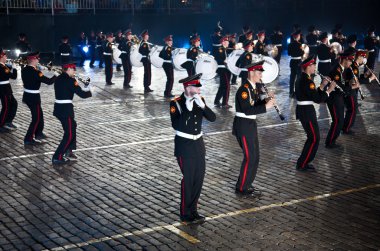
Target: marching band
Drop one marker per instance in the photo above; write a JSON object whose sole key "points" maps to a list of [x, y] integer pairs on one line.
{"points": [[255, 61]]}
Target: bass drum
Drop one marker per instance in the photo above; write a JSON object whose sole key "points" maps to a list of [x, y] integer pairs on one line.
{"points": [[179, 57], [207, 65], [231, 61], [154, 56], [135, 56], [271, 70], [116, 54]]}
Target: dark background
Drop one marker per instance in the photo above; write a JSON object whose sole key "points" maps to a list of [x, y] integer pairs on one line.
{"points": [[44, 30]]}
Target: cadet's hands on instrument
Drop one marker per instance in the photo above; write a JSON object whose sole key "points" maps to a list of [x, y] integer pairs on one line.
{"points": [[331, 87], [325, 81], [354, 84], [199, 101], [270, 103]]}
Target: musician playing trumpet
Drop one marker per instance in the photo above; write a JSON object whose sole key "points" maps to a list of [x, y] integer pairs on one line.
{"points": [[65, 87], [249, 102], [307, 94], [192, 55]]}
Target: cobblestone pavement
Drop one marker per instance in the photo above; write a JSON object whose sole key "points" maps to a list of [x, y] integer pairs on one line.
{"points": [[123, 193]]}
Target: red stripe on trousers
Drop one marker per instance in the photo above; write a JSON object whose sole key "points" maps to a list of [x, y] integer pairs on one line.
{"points": [[352, 114], [336, 123], [69, 139], [183, 187], [5, 111], [246, 163], [312, 145], [37, 122]]}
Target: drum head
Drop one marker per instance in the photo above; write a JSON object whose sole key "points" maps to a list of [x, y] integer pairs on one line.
{"points": [[232, 59], [271, 70], [136, 56], [206, 65], [116, 55], [179, 57], [154, 56]]}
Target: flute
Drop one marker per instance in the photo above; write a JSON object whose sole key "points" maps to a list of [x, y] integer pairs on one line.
{"points": [[370, 71], [357, 81]]}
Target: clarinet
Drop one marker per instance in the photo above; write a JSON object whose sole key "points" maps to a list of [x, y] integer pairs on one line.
{"points": [[370, 71], [282, 117], [357, 81], [337, 86]]}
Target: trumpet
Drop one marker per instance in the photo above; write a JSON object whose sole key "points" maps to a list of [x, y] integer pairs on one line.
{"points": [[135, 39], [85, 81], [357, 82], [370, 71]]}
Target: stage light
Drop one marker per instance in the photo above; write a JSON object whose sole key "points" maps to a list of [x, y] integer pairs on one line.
{"points": [[17, 51], [329, 36], [288, 40], [85, 49]]}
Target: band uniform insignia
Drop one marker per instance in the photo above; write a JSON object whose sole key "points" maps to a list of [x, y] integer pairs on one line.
{"points": [[337, 77], [312, 86], [172, 109], [40, 74], [244, 95]]}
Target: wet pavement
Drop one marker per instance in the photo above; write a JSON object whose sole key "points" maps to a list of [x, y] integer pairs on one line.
{"points": [[123, 192]]}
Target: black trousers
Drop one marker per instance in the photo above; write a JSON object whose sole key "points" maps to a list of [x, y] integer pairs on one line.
{"points": [[224, 86], [244, 76], [351, 102], [83, 57], [100, 54], [69, 140], [324, 68], [294, 72], [37, 125], [250, 164], [193, 171], [311, 145], [92, 55], [168, 68], [233, 79], [8, 109], [147, 73], [108, 69], [65, 59], [336, 109], [127, 68], [371, 60], [278, 57]]}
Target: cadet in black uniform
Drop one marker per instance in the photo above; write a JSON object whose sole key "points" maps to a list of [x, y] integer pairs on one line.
{"points": [[296, 52], [144, 50], [224, 75], [8, 101], [296, 29], [277, 39], [248, 105], [83, 41], [23, 45], [65, 86], [65, 50], [92, 48], [107, 55], [354, 82], [335, 102], [260, 45], [118, 39], [245, 59], [215, 39], [312, 40], [370, 43], [99, 47], [125, 49], [187, 112], [32, 79], [231, 48], [166, 55], [192, 55], [351, 42], [325, 55], [307, 94], [247, 35]]}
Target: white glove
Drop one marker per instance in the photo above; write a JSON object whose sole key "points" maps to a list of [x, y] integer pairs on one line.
{"points": [[56, 74], [198, 100], [189, 104]]}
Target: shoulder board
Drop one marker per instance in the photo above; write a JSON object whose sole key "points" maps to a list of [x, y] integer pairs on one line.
{"points": [[177, 98]]}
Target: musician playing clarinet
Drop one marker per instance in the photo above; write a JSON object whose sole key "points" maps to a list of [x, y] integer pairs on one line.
{"points": [[248, 104], [65, 86], [307, 94]]}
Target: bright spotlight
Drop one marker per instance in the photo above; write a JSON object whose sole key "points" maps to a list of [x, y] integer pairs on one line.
{"points": [[85, 49]]}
